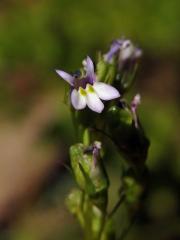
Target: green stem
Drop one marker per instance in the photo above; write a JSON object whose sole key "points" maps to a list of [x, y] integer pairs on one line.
{"points": [[74, 122], [127, 230], [86, 137], [118, 204]]}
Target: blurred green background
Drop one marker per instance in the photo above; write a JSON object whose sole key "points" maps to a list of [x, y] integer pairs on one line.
{"points": [[39, 36]]}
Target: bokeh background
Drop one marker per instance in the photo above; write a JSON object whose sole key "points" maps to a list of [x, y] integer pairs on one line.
{"points": [[38, 36]]}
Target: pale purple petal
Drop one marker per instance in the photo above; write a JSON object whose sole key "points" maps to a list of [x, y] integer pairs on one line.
{"points": [[105, 91], [115, 47], [89, 66], [135, 102], [127, 50], [93, 101], [66, 76], [78, 100]]}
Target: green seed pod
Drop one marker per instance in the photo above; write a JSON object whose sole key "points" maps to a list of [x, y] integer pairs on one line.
{"points": [[88, 170], [97, 222], [101, 68], [106, 72]]}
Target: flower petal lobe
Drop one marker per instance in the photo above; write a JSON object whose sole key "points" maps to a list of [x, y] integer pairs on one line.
{"points": [[105, 91], [89, 67], [94, 102], [78, 100], [66, 76]]}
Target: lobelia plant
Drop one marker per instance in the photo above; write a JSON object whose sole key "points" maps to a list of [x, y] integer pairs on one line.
{"points": [[115, 121]]}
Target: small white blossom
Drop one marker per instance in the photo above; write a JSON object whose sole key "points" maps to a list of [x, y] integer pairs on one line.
{"points": [[87, 91]]}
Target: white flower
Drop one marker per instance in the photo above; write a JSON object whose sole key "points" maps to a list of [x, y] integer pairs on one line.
{"points": [[87, 91]]}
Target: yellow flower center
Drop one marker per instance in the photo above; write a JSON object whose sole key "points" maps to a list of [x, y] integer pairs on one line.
{"points": [[82, 91], [89, 88]]}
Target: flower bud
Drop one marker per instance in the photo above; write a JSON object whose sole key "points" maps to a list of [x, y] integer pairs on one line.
{"points": [[123, 55], [134, 105], [74, 203], [132, 189]]}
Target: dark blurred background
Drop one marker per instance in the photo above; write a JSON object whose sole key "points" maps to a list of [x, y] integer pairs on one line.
{"points": [[39, 36]]}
